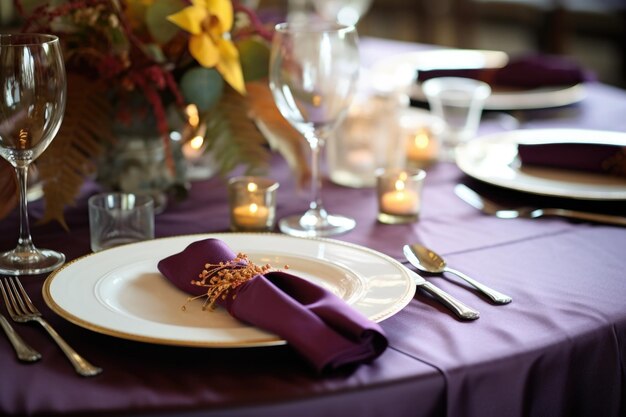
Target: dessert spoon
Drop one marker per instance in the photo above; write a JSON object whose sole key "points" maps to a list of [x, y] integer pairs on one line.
{"points": [[426, 260]]}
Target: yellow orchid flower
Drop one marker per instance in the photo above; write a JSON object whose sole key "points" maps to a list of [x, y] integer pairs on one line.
{"points": [[208, 21]]}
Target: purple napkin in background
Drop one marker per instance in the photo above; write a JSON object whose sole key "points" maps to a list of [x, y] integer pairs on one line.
{"points": [[597, 158], [529, 71], [315, 322]]}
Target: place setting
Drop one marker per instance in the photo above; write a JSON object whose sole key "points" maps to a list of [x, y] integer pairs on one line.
{"points": [[571, 173]]}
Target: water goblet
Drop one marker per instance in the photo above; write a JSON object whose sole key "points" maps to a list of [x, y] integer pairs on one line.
{"points": [[32, 81], [314, 69]]}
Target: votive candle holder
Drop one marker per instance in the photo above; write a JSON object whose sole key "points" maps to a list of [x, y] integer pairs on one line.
{"points": [[421, 132], [399, 193], [422, 147], [252, 202]]}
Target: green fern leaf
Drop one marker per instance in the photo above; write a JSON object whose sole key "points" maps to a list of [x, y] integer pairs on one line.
{"points": [[233, 138]]}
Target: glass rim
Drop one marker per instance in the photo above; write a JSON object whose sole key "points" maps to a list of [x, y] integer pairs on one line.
{"points": [[268, 184], [437, 84], [416, 174], [140, 199], [321, 26], [28, 39]]}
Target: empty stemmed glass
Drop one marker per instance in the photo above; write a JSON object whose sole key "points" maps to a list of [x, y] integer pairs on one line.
{"points": [[32, 103], [314, 69]]}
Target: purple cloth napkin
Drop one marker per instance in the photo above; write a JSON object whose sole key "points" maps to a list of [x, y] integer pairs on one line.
{"points": [[315, 322], [529, 71], [597, 158]]}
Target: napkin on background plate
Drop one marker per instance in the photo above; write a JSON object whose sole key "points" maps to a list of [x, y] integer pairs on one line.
{"points": [[316, 323], [528, 71], [588, 157]]}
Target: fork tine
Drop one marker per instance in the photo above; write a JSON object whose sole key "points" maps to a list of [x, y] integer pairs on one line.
{"points": [[9, 305], [14, 302], [25, 296], [18, 304]]}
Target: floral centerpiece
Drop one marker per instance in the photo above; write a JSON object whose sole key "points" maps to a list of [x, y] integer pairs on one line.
{"points": [[166, 66]]}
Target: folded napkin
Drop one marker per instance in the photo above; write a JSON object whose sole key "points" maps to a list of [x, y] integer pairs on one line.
{"points": [[589, 157], [528, 71], [315, 322]]}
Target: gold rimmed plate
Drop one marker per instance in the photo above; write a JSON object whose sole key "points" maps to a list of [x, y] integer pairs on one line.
{"points": [[494, 159], [120, 292]]}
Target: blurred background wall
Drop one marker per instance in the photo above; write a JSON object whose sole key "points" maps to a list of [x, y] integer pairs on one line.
{"points": [[591, 31]]}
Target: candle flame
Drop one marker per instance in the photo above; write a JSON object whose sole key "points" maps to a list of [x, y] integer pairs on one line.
{"points": [[192, 115], [399, 185], [252, 187], [421, 139], [197, 142], [254, 208]]}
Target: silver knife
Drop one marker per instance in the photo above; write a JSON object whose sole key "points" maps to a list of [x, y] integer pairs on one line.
{"points": [[461, 310]]}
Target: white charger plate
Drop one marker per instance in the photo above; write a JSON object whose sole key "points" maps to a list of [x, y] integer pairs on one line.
{"points": [[120, 292], [493, 159]]}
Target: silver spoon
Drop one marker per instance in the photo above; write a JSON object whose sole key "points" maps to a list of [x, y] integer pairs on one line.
{"points": [[426, 260]]}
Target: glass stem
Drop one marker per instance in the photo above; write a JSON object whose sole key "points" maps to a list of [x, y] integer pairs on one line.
{"points": [[316, 207], [24, 242]]}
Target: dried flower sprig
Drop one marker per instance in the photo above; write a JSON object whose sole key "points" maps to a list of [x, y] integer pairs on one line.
{"points": [[220, 279]]}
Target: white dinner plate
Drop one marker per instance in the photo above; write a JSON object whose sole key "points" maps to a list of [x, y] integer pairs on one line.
{"points": [[526, 99], [120, 292], [493, 159]]}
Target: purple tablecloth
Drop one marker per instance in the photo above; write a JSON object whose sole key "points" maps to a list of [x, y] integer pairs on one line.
{"points": [[558, 350]]}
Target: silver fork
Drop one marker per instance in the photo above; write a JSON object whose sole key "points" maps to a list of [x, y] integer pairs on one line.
{"points": [[487, 206], [23, 351], [21, 309]]}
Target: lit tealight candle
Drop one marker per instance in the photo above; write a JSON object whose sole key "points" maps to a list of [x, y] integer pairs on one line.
{"points": [[192, 150], [252, 203], [399, 195], [422, 146], [400, 201], [361, 160], [251, 216]]}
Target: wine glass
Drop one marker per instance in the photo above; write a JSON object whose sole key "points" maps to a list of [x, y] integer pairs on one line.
{"points": [[314, 69], [32, 82]]}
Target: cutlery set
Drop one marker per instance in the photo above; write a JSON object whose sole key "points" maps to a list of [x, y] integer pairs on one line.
{"points": [[426, 260], [22, 310]]}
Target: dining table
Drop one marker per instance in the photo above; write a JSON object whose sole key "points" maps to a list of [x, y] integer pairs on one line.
{"points": [[558, 349]]}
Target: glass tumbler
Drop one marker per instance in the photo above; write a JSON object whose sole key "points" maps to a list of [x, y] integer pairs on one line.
{"points": [[120, 218]]}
